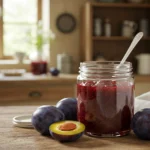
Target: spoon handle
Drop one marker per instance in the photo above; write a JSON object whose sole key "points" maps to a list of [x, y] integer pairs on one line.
{"points": [[136, 39]]}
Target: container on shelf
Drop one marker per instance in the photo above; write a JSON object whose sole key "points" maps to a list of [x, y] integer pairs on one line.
{"points": [[129, 28], [64, 63], [143, 63], [144, 26], [107, 27], [97, 26], [39, 63]]}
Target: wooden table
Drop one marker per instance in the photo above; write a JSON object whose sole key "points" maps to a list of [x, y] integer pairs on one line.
{"points": [[14, 138]]}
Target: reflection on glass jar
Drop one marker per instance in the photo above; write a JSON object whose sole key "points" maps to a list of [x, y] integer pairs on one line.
{"points": [[105, 96]]}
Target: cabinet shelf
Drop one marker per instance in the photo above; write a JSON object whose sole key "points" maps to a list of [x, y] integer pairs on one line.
{"points": [[112, 48], [121, 5], [115, 38]]}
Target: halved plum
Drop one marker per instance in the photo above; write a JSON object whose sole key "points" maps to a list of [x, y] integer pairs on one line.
{"points": [[67, 131]]}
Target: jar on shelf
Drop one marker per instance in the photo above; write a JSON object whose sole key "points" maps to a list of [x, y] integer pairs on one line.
{"points": [[97, 27], [107, 28], [129, 28], [64, 63], [144, 26], [105, 96]]}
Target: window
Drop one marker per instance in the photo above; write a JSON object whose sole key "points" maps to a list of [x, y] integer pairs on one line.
{"points": [[18, 17]]}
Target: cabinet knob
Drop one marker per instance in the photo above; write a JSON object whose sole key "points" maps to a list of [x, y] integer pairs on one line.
{"points": [[35, 94]]}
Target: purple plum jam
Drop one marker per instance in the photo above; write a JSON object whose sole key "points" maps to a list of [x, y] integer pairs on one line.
{"points": [[39, 67], [106, 107]]}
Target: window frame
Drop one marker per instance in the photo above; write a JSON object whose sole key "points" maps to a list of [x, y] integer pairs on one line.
{"points": [[39, 17]]}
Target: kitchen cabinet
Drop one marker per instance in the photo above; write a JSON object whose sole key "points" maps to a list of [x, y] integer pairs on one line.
{"points": [[115, 46], [31, 89]]}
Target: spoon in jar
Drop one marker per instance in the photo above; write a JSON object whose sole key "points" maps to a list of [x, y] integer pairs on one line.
{"points": [[136, 39]]}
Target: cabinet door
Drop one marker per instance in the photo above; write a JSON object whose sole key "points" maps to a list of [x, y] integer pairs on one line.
{"points": [[27, 94]]}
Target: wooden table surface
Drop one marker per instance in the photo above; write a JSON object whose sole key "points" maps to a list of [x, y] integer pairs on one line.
{"points": [[14, 138]]}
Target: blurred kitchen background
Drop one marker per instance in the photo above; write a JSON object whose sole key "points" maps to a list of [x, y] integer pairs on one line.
{"points": [[39, 35]]}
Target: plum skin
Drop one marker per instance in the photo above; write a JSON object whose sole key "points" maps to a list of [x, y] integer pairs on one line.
{"points": [[54, 71], [63, 138], [69, 107], [140, 124], [44, 116]]}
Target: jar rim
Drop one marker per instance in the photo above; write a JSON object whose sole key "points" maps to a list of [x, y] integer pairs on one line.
{"points": [[105, 69], [104, 62], [106, 65]]}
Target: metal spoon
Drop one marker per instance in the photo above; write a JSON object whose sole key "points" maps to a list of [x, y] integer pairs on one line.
{"points": [[136, 39]]}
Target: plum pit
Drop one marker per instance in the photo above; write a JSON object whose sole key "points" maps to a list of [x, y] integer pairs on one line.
{"points": [[68, 126]]}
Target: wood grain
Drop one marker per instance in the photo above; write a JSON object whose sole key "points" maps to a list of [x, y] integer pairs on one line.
{"points": [[87, 32], [13, 138], [36, 89]]}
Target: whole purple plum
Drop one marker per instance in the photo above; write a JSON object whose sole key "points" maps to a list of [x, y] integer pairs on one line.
{"points": [[54, 71], [69, 107], [44, 116], [141, 124]]}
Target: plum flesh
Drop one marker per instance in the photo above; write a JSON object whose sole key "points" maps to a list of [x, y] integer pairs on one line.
{"points": [[67, 131]]}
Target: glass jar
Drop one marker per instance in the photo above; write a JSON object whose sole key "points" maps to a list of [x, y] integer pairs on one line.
{"points": [[38, 63], [105, 96]]}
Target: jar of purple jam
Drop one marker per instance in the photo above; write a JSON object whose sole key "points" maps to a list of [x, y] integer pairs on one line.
{"points": [[105, 94]]}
